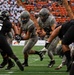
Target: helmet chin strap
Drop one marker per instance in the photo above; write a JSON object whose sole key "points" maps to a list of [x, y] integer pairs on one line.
{"points": [[44, 19], [25, 21]]}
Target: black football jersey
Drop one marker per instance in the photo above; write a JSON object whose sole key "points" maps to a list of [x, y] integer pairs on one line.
{"points": [[5, 26]]}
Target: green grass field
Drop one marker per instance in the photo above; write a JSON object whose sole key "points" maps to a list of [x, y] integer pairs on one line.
{"points": [[36, 67]]}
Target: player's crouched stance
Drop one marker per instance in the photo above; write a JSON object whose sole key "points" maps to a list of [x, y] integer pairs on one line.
{"points": [[65, 33], [46, 24], [28, 33], [5, 27]]}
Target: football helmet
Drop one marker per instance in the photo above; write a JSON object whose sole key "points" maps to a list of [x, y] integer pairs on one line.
{"points": [[4, 15], [25, 16], [44, 13]]}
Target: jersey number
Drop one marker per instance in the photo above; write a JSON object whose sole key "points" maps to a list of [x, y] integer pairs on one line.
{"points": [[1, 26]]}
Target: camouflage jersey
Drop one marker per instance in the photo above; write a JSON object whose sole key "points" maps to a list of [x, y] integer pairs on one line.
{"points": [[47, 24], [29, 27]]}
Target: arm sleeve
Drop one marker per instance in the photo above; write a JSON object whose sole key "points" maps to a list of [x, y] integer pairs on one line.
{"points": [[31, 28]]}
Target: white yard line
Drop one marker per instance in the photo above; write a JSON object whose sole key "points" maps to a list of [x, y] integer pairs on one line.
{"points": [[40, 72]]}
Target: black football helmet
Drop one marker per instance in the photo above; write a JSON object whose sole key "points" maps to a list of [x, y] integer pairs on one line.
{"points": [[4, 15]]}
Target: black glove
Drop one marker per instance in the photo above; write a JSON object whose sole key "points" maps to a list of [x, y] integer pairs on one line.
{"points": [[47, 45], [47, 30], [18, 38]]}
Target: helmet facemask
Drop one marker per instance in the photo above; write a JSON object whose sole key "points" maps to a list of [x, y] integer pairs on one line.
{"points": [[44, 17], [24, 20]]}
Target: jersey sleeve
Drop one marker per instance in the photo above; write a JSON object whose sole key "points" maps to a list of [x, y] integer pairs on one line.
{"points": [[53, 21], [31, 28]]}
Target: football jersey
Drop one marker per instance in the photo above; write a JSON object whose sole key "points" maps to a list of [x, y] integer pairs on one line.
{"points": [[5, 26], [65, 27], [29, 27], [47, 24]]}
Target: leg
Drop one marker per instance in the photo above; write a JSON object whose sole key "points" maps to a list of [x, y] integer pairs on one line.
{"points": [[72, 55], [62, 63], [51, 48], [17, 62], [38, 53], [67, 40], [6, 60], [44, 50], [5, 47], [68, 56], [72, 69], [27, 49], [25, 63], [10, 64]]}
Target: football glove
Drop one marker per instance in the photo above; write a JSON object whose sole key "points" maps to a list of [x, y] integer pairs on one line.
{"points": [[47, 45], [47, 30], [18, 38]]}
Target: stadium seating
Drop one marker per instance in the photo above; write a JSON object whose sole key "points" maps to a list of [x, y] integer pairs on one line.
{"points": [[58, 10], [29, 7]]}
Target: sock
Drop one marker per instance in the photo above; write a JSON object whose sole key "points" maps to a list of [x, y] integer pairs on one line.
{"points": [[26, 61], [26, 58], [72, 69], [36, 52], [67, 54], [4, 62], [9, 61], [44, 49]]}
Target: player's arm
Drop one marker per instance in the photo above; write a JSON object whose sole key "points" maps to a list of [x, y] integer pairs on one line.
{"points": [[17, 34], [53, 27], [15, 29], [29, 32], [68, 9], [40, 32], [26, 35], [53, 24], [52, 36]]}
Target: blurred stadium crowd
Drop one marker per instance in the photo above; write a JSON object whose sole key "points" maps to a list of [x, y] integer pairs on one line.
{"points": [[13, 8], [57, 10]]}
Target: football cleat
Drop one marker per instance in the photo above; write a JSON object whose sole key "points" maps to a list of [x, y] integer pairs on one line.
{"points": [[59, 67], [24, 64], [41, 55], [52, 62], [69, 66], [3, 64], [10, 65], [19, 65], [72, 69]]}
